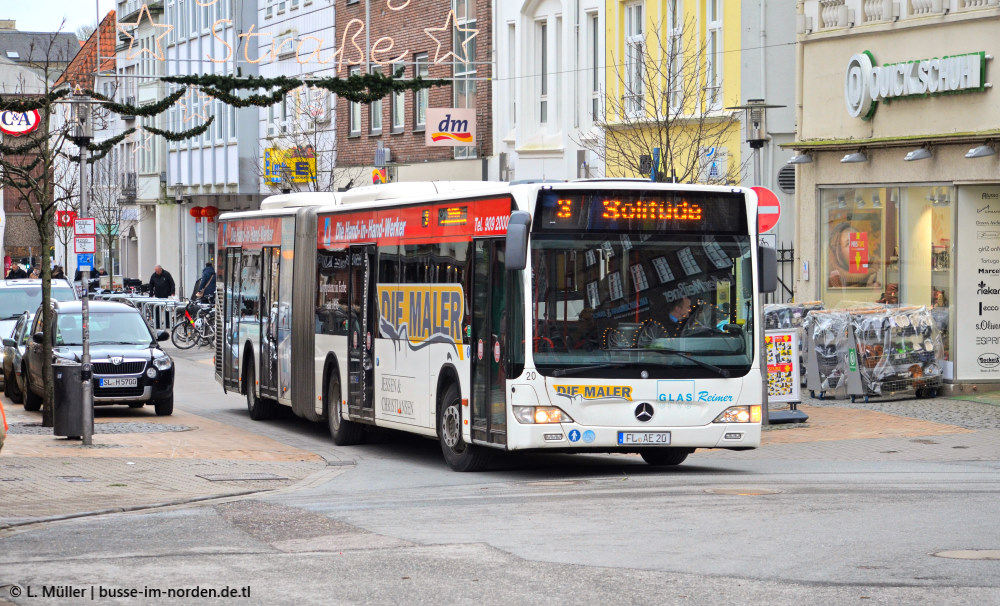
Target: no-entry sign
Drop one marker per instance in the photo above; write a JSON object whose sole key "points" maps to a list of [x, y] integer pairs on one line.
{"points": [[768, 209]]}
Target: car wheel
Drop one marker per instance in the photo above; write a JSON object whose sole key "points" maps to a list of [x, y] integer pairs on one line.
{"points": [[344, 433], [665, 456], [164, 407], [259, 408], [459, 455], [15, 393], [32, 402]]}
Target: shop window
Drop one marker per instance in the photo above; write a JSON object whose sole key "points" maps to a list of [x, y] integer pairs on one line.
{"points": [[889, 245]]}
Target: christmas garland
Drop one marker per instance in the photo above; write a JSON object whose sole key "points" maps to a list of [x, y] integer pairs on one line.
{"points": [[17, 104], [101, 149], [357, 88], [126, 109], [181, 136], [17, 150]]}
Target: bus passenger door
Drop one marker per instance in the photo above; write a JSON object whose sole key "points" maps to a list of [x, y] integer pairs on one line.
{"points": [[489, 290], [270, 262], [361, 334], [231, 314]]}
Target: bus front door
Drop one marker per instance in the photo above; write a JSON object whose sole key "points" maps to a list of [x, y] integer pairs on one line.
{"points": [[361, 334], [270, 262], [489, 290], [231, 311]]}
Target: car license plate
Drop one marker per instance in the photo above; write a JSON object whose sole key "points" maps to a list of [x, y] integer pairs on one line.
{"points": [[644, 438], [127, 382]]}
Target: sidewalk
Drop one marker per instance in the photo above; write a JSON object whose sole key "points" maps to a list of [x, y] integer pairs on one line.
{"points": [[146, 461]]}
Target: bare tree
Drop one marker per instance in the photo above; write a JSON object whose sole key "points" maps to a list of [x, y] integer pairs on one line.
{"points": [[34, 168], [84, 31], [666, 95], [301, 154], [112, 200]]}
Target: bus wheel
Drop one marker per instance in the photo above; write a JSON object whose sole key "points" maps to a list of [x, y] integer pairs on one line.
{"points": [[459, 455], [259, 408], [344, 433], [665, 456]]}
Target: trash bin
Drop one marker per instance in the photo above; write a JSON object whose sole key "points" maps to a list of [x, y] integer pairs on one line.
{"points": [[67, 417]]}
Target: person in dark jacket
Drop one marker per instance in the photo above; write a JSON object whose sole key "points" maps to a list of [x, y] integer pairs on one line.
{"points": [[161, 283], [206, 285], [58, 273], [16, 272]]}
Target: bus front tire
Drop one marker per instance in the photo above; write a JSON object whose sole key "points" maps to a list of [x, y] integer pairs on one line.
{"points": [[459, 455], [344, 433], [665, 456]]}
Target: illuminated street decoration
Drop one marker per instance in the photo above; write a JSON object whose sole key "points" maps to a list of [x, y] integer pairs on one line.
{"points": [[307, 49], [448, 24], [158, 54], [199, 99]]}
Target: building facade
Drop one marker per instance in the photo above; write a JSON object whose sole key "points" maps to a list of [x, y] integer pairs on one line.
{"points": [[451, 40], [549, 62], [899, 182]]}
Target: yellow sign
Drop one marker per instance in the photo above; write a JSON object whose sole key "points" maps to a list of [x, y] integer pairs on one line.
{"points": [[289, 166], [422, 314], [595, 392]]}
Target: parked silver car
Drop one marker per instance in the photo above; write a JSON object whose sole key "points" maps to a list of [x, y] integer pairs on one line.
{"points": [[25, 295], [13, 358]]}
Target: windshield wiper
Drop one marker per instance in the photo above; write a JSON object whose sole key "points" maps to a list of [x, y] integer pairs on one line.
{"points": [[561, 372], [722, 372], [114, 343]]}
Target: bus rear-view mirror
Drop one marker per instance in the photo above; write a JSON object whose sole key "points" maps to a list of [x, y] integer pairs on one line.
{"points": [[767, 260], [517, 240]]}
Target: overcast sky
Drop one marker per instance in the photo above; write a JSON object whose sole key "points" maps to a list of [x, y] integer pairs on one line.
{"points": [[47, 15]]}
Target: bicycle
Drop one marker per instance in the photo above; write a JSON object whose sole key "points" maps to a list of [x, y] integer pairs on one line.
{"points": [[197, 329]]}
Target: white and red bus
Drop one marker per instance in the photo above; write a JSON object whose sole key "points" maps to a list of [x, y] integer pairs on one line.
{"points": [[590, 316]]}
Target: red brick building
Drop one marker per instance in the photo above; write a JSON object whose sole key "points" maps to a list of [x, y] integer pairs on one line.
{"points": [[435, 39]]}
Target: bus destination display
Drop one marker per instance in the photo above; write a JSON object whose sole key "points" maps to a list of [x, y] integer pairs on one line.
{"points": [[641, 211]]}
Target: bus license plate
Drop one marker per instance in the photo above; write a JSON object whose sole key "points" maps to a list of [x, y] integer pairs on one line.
{"points": [[128, 382], [644, 438]]}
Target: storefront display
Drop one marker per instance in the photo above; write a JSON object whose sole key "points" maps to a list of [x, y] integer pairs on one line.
{"points": [[977, 319]]}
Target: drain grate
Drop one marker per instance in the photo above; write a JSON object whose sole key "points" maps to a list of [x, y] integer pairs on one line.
{"points": [[36, 429], [240, 477], [970, 554]]}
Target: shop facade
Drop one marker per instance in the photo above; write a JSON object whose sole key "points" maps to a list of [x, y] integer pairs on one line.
{"points": [[898, 176]]}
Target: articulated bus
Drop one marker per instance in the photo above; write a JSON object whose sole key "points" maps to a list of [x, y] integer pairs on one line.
{"points": [[586, 316]]}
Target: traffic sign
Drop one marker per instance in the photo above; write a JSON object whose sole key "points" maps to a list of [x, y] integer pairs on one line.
{"points": [[84, 227], [768, 209], [65, 218], [85, 244], [85, 262]]}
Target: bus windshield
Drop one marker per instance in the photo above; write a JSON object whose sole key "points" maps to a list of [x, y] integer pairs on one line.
{"points": [[642, 305]]}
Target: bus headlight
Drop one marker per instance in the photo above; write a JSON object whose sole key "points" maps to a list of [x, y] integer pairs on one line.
{"points": [[540, 414], [740, 414]]}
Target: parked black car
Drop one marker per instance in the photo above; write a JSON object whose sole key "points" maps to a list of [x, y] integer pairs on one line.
{"points": [[13, 358], [129, 366]]}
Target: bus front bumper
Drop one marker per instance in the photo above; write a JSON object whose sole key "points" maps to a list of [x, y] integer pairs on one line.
{"points": [[575, 437]]}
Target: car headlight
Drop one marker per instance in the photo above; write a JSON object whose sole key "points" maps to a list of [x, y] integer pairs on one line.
{"points": [[541, 414], [162, 363], [740, 414]]}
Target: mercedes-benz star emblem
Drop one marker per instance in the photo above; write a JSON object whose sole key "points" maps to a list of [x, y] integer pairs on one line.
{"points": [[644, 412]]}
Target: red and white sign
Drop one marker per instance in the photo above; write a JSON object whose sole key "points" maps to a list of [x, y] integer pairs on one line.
{"points": [[85, 244], [19, 123], [84, 227], [65, 218], [496, 352], [768, 209]]}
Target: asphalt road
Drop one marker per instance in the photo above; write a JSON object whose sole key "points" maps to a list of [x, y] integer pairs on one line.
{"points": [[389, 523]]}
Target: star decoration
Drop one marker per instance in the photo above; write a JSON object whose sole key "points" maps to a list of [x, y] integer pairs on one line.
{"points": [[158, 53], [202, 100], [449, 23], [145, 140]]}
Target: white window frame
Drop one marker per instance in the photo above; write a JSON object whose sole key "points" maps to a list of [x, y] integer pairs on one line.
{"points": [[421, 98], [354, 109], [542, 46], [398, 103], [594, 67], [512, 71], [635, 52], [675, 29], [375, 109], [713, 55], [193, 16], [464, 89]]}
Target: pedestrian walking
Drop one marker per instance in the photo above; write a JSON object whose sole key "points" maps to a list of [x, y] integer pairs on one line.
{"points": [[161, 283], [206, 285], [58, 273]]}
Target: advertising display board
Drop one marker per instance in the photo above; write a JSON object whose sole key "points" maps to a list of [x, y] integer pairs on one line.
{"points": [[783, 366], [977, 314]]}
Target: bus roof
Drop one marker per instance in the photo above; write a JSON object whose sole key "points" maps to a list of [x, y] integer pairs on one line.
{"points": [[375, 193]]}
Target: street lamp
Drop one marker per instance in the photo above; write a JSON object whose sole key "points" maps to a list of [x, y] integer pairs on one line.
{"points": [[756, 129]]}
